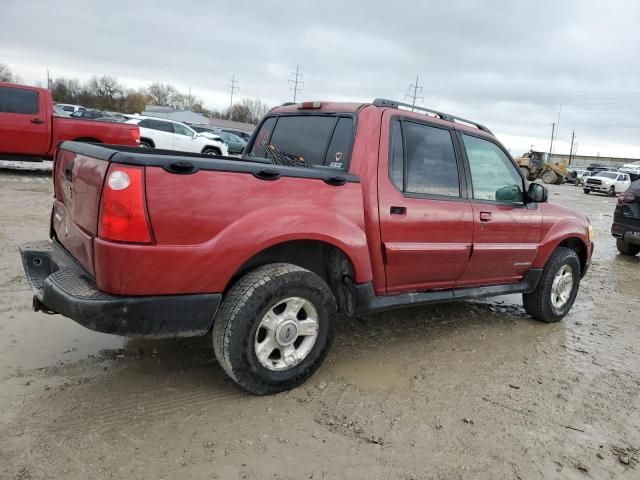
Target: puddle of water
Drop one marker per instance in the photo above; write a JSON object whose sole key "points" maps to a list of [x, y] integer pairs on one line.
{"points": [[369, 374]]}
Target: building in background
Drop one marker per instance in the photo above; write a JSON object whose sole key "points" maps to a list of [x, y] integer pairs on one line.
{"points": [[193, 117], [586, 160]]}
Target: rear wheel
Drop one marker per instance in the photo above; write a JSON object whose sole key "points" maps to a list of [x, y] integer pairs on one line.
{"points": [[273, 328], [211, 151], [549, 176], [145, 144], [557, 289], [627, 248]]}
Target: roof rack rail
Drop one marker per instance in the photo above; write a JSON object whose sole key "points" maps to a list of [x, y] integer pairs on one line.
{"points": [[382, 102]]}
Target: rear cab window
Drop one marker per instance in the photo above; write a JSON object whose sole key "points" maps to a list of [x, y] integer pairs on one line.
{"points": [[18, 100], [321, 140]]}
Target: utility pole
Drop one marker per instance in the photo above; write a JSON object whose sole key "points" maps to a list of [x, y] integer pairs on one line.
{"points": [[48, 80], [233, 88], [573, 136], [553, 131], [296, 81], [416, 88]]}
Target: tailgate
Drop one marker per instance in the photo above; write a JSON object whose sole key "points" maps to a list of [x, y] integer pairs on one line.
{"points": [[78, 179]]}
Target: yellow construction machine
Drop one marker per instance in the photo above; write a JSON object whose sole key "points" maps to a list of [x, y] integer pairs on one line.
{"points": [[536, 165]]}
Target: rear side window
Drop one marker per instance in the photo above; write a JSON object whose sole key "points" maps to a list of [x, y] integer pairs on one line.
{"points": [[157, 125], [16, 100], [321, 140], [423, 160]]}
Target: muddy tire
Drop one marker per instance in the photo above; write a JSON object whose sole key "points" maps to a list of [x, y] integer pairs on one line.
{"points": [[549, 176], [273, 309], [612, 191], [586, 190], [557, 288], [627, 248]]}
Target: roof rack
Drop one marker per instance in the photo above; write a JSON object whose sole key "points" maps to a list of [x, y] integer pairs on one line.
{"points": [[382, 102]]}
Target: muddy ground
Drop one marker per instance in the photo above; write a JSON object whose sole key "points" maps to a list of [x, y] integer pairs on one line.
{"points": [[466, 390]]}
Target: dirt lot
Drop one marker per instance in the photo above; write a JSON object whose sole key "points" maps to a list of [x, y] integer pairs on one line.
{"points": [[467, 390]]}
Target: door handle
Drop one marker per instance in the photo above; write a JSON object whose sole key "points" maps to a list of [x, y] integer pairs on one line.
{"points": [[37, 121], [398, 210], [485, 216]]}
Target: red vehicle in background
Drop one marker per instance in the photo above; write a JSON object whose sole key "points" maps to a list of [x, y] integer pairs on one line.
{"points": [[334, 208], [30, 131]]}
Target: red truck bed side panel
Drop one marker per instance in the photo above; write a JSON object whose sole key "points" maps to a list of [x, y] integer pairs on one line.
{"points": [[208, 224]]}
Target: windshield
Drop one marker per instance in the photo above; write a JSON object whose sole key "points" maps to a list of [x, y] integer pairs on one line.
{"points": [[318, 140], [608, 175]]}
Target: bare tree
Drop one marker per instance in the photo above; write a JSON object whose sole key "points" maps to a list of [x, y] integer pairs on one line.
{"points": [[162, 94], [248, 110], [5, 73]]}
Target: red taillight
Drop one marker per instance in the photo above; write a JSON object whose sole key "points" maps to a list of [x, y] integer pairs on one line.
{"points": [[309, 105], [135, 133], [123, 215], [626, 197]]}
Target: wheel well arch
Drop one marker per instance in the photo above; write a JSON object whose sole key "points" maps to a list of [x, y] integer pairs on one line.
{"points": [[324, 259], [149, 141], [87, 140], [211, 147], [579, 247]]}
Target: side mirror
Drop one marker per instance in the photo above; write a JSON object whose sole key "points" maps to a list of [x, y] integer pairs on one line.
{"points": [[537, 193], [510, 193]]}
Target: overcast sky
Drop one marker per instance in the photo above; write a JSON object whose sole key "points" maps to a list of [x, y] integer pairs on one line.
{"points": [[508, 64]]}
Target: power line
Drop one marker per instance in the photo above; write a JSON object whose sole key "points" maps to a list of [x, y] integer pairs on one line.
{"points": [[416, 88], [233, 88], [296, 81]]}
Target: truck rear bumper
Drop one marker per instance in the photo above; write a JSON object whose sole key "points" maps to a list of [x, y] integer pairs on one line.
{"points": [[62, 286]]}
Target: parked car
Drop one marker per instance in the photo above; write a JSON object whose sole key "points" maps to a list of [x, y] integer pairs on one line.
{"points": [[169, 135], [607, 182], [92, 114], [633, 169], [335, 207], [580, 179], [69, 108], [30, 131], [573, 174], [239, 133], [236, 144], [626, 221]]}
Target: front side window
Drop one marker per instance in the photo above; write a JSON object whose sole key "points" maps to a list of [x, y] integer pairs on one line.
{"points": [[17, 100], [423, 160], [182, 130], [493, 175]]}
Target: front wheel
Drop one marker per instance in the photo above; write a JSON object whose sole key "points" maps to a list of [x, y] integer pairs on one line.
{"points": [[586, 190], [627, 248], [273, 329], [211, 151], [549, 176], [557, 289], [612, 191]]}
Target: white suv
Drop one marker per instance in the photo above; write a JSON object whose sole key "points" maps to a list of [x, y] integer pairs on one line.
{"points": [[170, 135], [610, 183]]}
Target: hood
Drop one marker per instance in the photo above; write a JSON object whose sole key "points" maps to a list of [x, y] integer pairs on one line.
{"points": [[210, 135], [553, 213]]}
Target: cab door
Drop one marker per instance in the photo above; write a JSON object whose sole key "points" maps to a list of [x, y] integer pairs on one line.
{"points": [[506, 230], [184, 139], [426, 221], [24, 125]]}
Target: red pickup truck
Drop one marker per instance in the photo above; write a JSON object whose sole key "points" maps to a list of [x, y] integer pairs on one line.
{"points": [[30, 131], [334, 208]]}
